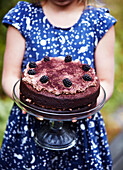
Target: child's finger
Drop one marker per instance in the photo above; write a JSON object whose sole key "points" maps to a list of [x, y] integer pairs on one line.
{"points": [[89, 117], [74, 120], [40, 118], [24, 112]]}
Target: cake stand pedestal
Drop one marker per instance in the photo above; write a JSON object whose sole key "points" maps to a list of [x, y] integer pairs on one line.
{"points": [[56, 135]]}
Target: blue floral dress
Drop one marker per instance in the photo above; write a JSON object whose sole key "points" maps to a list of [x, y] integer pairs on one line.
{"points": [[91, 152]]}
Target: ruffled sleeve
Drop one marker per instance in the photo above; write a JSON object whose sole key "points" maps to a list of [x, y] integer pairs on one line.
{"points": [[104, 21], [15, 17]]}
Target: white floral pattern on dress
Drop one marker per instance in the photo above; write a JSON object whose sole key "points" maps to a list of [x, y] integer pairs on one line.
{"points": [[91, 152]]}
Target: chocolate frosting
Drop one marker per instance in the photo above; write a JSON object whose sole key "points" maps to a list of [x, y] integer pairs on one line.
{"points": [[57, 70]]}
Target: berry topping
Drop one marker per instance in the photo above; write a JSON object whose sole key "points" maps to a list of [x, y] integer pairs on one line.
{"points": [[86, 77], [67, 82], [46, 58], [31, 72], [44, 79], [32, 64], [68, 58], [86, 67]]}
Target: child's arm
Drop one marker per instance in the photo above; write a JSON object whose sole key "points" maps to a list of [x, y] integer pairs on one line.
{"points": [[104, 61], [14, 52]]}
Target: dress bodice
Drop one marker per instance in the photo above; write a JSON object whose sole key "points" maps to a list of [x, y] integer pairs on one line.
{"points": [[44, 39]]}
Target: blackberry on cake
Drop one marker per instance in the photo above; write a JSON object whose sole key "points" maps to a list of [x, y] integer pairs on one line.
{"points": [[44, 79], [86, 67], [57, 84], [32, 64], [67, 82], [68, 58], [46, 58], [31, 72], [86, 77]]}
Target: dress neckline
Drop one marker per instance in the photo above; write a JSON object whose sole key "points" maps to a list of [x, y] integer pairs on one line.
{"points": [[62, 28]]}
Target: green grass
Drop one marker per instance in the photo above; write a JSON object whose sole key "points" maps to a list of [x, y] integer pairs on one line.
{"points": [[117, 97], [5, 107]]}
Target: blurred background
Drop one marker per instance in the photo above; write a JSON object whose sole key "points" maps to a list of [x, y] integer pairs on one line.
{"points": [[113, 110]]}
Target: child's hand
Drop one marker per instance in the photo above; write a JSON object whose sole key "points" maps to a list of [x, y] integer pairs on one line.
{"points": [[89, 117], [24, 112], [39, 118], [100, 97], [74, 120]]}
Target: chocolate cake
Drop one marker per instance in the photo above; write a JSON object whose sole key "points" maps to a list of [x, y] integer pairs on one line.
{"points": [[59, 83]]}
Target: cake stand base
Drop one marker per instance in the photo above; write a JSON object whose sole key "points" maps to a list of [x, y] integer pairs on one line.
{"points": [[55, 136]]}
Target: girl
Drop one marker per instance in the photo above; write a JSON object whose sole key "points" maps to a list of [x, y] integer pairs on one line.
{"points": [[57, 28]]}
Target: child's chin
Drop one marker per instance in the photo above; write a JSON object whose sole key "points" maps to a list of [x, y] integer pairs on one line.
{"points": [[62, 2]]}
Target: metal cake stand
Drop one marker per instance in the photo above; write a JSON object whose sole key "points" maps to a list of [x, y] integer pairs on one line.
{"points": [[56, 135]]}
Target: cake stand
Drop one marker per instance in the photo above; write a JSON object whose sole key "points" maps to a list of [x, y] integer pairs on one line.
{"points": [[56, 135]]}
